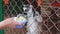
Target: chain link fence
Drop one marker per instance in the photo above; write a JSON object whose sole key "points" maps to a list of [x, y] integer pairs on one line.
{"points": [[49, 13]]}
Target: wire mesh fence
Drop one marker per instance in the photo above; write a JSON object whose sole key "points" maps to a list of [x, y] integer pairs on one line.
{"points": [[49, 13]]}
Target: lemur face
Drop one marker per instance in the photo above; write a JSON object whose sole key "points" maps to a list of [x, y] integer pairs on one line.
{"points": [[26, 8]]}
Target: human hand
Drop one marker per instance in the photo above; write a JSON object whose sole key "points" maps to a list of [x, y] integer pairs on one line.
{"points": [[10, 23]]}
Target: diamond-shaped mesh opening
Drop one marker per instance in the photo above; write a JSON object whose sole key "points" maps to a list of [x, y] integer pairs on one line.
{"points": [[54, 30], [50, 15], [48, 23], [57, 25]]}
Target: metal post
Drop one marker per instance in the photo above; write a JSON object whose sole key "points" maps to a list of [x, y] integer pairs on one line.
{"points": [[1, 31]]}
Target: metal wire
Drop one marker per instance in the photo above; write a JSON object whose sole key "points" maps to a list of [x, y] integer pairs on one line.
{"points": [[50, 15]]}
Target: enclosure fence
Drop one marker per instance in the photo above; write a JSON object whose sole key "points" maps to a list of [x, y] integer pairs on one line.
{"points": [[49, 12]]}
